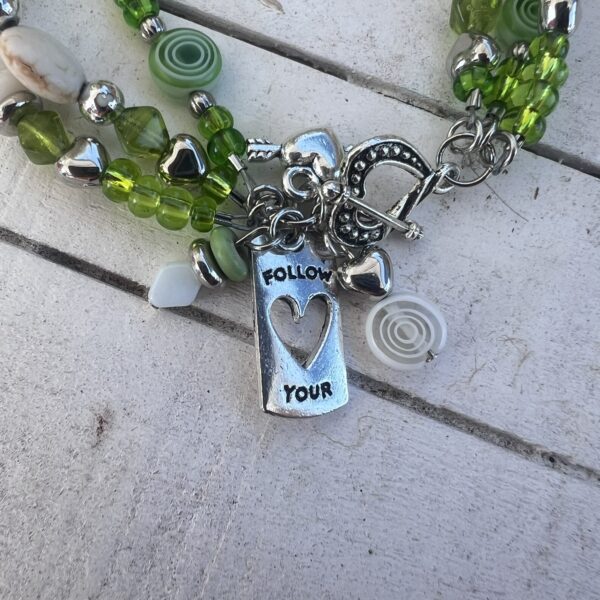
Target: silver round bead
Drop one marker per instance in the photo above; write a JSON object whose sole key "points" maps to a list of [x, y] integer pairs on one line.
{"points": [[9, 13], [10, 105], [84, 163], [101, 102], [469, 50], [520, 51], [562, 16], [200, 102], [151, 27], [204, 264]]}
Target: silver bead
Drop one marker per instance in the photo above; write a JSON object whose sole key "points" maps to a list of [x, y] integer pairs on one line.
{"points": [[204, 264], [10, 105], [101, 102], [200, 102], [520, 51], [151, 27], [562, 16], [84, 164], [472, 49], [184, 162], [9, 13]]}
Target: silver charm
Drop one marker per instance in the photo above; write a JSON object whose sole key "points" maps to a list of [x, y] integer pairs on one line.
{"points": [[84, 164], [184, 162], [371, 274], [288, 388]]}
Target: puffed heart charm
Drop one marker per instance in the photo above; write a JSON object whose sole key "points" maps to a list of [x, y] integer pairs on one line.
{"points": [[183, 162], [42, 64], [318, 149], [371, 274], [84, 163]]}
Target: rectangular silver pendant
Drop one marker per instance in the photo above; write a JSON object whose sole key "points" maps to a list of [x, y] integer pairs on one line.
{"points": [[320, 384]]}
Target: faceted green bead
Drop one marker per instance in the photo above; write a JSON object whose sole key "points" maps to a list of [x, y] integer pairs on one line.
{"points": [[219, 183], [547, 68], [555, 44], [202, 217], [525, 122], [43, 137], [119, 178], [213, 120], [225, 143], [174, 208], [135, 11], [538, 95], [145, 196], [518, 22], [478, 16], [228, 257], [473, 78], [142, 131]]}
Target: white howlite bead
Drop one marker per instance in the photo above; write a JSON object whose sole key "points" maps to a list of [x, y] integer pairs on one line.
{"points": [[9, 84], [42, 64], [176, 285]]}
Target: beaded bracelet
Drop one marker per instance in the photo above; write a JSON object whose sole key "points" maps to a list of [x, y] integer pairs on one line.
{"points": [[316, 229]]}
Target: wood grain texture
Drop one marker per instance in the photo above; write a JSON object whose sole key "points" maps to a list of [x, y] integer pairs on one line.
{"points": [[513, 266], [132, 471]]}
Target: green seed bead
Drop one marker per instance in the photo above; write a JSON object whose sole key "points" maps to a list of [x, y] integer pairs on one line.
{"points": [[183, 61], [225, 143], [230, 261], [135, 11], [525, 122], [547, 68], [477, 16], [219, 183], [43, 137], [202, 217], [473, 78], [145, 196], [555, 44], [213, 120], [142, 131], [119, 178], [538, 95], [174, 208], [518, 22]]}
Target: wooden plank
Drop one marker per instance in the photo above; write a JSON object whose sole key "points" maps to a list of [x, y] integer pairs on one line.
{"points": [[136, 464], [400, 49], [503, 263]]}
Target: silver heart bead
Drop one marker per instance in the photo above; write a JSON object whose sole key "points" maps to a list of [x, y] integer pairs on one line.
{"points": [[371, 274], [184, 162], [319, 149], [84, 164]]}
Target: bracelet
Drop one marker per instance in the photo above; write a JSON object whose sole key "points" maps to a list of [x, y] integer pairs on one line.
{"points": [[315, 229]]}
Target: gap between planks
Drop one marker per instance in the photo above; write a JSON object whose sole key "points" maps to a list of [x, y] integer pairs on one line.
{"points": [[364, 80], [467, 425]]}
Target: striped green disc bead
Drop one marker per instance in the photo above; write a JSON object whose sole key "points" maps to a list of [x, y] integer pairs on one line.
{"points": [[183, 61], [119, 178], [174, 208], [145, 196], [202, 216], [477, 16], [518, 22], [136, 11], [43, 137]]}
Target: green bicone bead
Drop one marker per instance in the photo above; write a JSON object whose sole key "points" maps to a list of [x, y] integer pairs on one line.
{"points": [[551, 42], [473, 78], [219, 183], [477, 16], [225, 143], [174, 208], [202, 217], [43, 137], [183, 61], [228, 257], [213, 120], [142, 131], [119, 178], [135, 11], [145, 196], [547, 68], [518, 22], [540, 96], [525, 122]]}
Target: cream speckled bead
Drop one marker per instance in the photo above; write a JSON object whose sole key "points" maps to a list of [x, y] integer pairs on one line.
{"points": [[42, 64]]}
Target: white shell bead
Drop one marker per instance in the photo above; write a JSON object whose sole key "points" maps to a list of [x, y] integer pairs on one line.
{"points": [[42, 64]]}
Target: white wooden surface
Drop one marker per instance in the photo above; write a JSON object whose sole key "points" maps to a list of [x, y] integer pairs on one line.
{"points": [[134, 461]]}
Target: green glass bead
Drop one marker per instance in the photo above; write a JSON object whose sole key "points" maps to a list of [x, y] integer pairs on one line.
{"points": [[518, 22], [551, 42], [43, 137], [229, 259], [506, 79], [119, 178], [473, 78], [145, 196], [547, 68], [219, 183], [478, 16], [538, 95], [135, 11], [183, 61], [202, 217], [213, 120], [174, 208], [225, 143], [525, 122], [142, 132]]}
